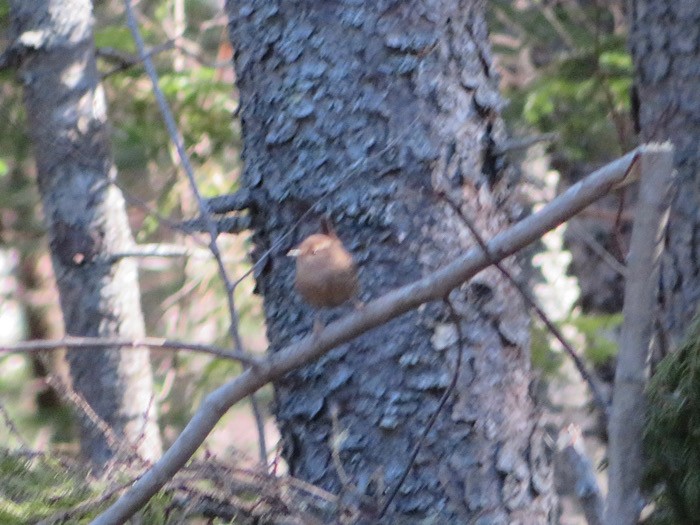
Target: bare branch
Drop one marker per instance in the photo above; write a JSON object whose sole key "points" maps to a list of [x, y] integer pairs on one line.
{"points": [[632, 372], [123, 60], [83, 408], [375, 313], [588, 377], [234, 224], [178, 141], [161, 250], [101, 342], [239, 201]]}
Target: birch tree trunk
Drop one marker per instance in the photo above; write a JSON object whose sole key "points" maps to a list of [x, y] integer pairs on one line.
{"points": [[364, 111], [86, 219]]}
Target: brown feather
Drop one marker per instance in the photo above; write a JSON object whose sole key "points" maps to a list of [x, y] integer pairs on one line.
{"points": [[326, 275]]}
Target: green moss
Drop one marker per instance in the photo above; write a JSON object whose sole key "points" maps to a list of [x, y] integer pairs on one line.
{"points": [[35, 487]]}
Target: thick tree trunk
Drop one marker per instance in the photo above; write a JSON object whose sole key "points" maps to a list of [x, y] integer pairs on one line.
{"points": [[86, 217], [666, 52], [364, 111]]}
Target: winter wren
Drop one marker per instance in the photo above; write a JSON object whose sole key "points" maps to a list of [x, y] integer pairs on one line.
{"points": [[326, 275]]}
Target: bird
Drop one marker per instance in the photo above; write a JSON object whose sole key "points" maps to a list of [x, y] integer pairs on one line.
{"points": [[326, 275]]}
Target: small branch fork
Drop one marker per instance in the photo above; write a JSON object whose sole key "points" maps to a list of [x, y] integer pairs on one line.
{"points": [[375, 313]]}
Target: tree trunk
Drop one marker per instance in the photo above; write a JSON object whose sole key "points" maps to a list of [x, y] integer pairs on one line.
{"points": [[86, 218], [364, 111], [666, 51]]}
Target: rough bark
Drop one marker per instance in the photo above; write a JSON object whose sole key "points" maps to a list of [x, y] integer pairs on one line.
{"points": [[405, 95], [665, 43], [86, 219]]}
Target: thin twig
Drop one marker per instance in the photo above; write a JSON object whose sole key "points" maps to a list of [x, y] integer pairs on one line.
{"points": [[101, 342], [526, 142], [175, 225], [125, 60], [178, 141], [589, 240], [232, 224], [445, 396], [164, 250], [12, 428], [83, 407], [587, 376]]}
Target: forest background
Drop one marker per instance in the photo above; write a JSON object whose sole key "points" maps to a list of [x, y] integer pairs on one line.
{"points": [[567, 76]]}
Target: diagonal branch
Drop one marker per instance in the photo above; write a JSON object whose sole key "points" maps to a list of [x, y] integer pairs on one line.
{"points": [[377, 312]]}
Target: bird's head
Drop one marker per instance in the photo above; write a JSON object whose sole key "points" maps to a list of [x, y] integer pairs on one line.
{"points": [[314, 245]]}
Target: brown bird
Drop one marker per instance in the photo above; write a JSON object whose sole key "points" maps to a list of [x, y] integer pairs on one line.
{"points": [[326, 275]]}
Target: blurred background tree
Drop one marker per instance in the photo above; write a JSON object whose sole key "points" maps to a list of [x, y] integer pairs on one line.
{"points": [[179, 294]]}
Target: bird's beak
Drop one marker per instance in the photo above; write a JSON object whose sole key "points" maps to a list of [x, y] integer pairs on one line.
{"points": [[294, 252]]}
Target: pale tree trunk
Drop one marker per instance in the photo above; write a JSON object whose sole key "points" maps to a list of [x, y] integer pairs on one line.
{"points": [[364, 111], [86, 219], [666, 51]]}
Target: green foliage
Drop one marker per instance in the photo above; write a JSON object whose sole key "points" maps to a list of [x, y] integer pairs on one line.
{"points": [[542, 356], [35, 486], [672, 434], [600, 347], [578, 77], [115, 37], [206, 106], [574, 97]]}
